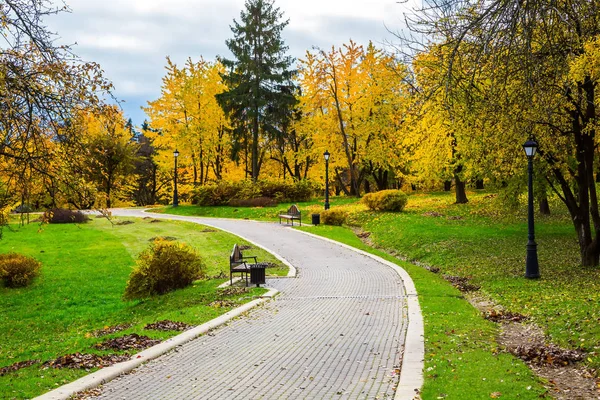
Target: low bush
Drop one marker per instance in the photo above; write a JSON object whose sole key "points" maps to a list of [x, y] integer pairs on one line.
{"points": [[64, 216], [334, 216], [17, 270], [162, 268], [385, 200], [223, 193]]}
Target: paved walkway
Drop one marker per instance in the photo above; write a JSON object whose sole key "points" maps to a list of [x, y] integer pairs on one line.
{"points": [[336, 331]]}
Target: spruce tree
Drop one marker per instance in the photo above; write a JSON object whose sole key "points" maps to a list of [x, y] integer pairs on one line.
{"points": [[258, 78]]}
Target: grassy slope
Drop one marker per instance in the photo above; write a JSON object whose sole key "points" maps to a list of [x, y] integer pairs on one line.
{"points": [[85, 269], [490, 249]]}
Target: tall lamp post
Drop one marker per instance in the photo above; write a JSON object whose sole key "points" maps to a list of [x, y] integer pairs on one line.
{"points": [[326, 155], [175, 199], [532, 269]]}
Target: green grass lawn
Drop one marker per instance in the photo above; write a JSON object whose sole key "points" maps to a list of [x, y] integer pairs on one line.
{"points": [[83, 276]]}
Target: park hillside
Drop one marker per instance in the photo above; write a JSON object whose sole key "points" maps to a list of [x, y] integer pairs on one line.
{"points": [[416, 147]]}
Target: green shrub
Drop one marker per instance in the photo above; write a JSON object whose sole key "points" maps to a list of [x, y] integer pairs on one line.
{"points": [[334, 216], [385, 200], [223, 192], [64, 216], [17, 270], [162, 268]]}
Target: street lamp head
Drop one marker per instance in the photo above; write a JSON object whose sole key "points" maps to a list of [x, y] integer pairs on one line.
{"points": [[530, 147], [326, 155], [176, 153]]}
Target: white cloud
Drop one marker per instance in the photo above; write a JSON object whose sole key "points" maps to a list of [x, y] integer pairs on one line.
{"points": [[131, 38]]}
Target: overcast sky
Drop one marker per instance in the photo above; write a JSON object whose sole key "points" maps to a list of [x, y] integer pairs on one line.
{"points": [[131, 38]]}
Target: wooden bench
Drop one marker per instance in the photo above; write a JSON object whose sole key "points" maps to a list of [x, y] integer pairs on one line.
{"points": [[291, 214], [238, 265]]}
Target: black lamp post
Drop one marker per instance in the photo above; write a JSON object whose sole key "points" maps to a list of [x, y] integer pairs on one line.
{"points": [[532, 269], [175, 199], [326, 155]]}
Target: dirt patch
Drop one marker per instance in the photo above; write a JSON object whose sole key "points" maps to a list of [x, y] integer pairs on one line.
{"points": [[17, 366], [363, 235], [432, 214], [208, 230], [107, 330], [127, 342], [559, 367], [435, 270], [455, 218], [461, 283], [86, 361], [245, 247], [167, 325], [155, 221]]}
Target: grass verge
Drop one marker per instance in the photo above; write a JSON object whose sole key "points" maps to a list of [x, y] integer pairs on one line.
{"points": [[85, 269]]}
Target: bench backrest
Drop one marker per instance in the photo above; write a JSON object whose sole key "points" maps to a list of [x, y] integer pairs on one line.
{"points": [[293, 210], [236, 256]]}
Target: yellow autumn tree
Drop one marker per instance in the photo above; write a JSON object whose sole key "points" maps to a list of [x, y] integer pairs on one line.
{"points": [[354, 100], [188, 118]]}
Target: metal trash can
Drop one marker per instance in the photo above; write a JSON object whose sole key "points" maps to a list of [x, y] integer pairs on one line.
{"points": [[257, 274], [316, 219]]}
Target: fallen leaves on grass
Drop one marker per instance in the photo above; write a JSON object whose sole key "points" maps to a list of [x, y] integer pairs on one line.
{"points": [[547, 355], [124, 222], [222, 303], [499, 316], [127, 342], [167, 238], [208, 230], [17, 366], [432, 214], [232, 290], [167, 325], [245, 247], [107, 330], [86, 361], [461, 283]]}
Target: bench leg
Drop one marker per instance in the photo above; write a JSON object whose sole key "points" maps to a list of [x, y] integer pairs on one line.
{"points": [[230, 278]]}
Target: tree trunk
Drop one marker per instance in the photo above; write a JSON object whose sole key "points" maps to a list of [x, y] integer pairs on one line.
{"points": [[479, 184], [544, 206], [461, 194], [447, 185]]}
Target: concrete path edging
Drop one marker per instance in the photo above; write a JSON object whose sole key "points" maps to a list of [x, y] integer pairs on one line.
{"points": [[109, 373], [411, 371]]}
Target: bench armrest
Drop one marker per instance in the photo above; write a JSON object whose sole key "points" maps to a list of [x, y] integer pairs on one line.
{"points": [[248, 257]]}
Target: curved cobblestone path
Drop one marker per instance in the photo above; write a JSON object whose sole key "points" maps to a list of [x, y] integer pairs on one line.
{"points": [[336, 331]]}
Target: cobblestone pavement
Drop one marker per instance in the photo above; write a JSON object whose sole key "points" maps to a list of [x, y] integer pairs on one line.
{"points": [[335, 332]]}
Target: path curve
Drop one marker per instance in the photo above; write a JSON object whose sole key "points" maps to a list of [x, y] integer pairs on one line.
{"points": [[337, 330]]}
